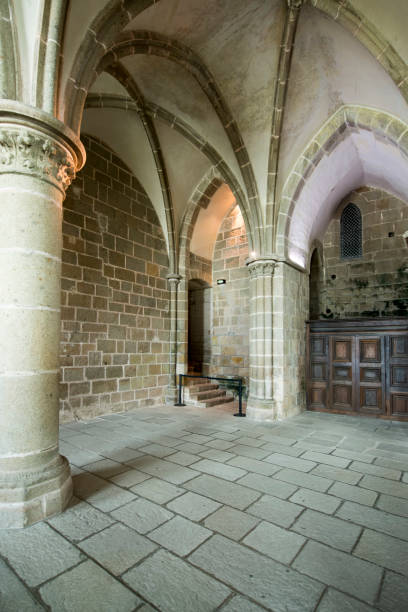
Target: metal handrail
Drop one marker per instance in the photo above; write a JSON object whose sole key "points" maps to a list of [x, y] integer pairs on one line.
{"points": [[237, 379]]}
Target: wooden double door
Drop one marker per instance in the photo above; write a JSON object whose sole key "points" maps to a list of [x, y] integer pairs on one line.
{"points": [[358, 367]]}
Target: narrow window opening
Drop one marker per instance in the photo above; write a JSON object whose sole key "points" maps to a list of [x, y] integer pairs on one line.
{"points": [[351, 233]]}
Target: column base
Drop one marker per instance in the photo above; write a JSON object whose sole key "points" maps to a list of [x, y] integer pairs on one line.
{"points": [[171, 395], [27, 497], [261, 410]]}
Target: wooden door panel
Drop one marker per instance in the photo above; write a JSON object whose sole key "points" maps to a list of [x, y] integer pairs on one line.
{"points": [[342, 397], [399, 375], [342, 350], [317, 397], [370, 350], [318, 346], [342, 373], [359, 367], [399, 404], [370, 375], [399, 346], [318, 371], [371, 400]]}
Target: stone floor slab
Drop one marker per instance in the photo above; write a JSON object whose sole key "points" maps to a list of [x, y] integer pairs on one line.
{"points": [[267, 582], [253, 465], [175, 474], [216, 455], [333, 601], [375, 470], [353, 493], [157, 490], [395, 505], [249, 451], [88, 587], [275, 542], [378, 520], [129, 479], [180, 535], [267, 485], [102, 494], [172, 585], [294, 463], [214, 468], [382, 485], [231, 522], [142, 515], [241, 604], [383, 550], [340, 570], [105, 468], [328, 530], [316, 483], [394, 593], [332, 460], [157, 450], [37, 553], [336, 473], [317, 501], [117, 548], [80, 521], [14, 596], [184, 459], [225, 492], [192, 506], [275, 510]]}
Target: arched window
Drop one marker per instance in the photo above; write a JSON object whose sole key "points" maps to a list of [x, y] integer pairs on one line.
{"points": [[351, 233]]}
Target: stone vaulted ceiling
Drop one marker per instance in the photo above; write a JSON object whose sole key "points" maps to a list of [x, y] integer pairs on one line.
{"points": [[181, 89]]}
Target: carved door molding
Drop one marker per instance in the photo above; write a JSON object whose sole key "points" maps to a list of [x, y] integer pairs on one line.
{"points": [[358, 367]]}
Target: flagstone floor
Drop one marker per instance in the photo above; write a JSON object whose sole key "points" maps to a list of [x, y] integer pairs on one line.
{"points": [[192, 510]]}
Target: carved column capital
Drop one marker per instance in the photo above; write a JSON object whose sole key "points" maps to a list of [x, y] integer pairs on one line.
{"points": [[174, 280], [37, 145], [261, 267]]}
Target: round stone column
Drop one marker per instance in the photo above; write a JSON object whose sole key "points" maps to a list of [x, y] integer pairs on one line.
{"points": [[260, 400], [171, 393], [38, 159]]}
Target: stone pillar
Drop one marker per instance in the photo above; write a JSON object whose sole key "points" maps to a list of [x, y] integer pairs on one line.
{"points": [[38, 159], [171, 394], [260, 405]]}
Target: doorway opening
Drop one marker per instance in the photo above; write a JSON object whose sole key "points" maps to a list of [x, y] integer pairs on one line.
{"points": [[199, 326]]}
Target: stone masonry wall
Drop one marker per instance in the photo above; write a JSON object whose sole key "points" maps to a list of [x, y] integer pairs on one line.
{"points": [[290, 312], [114, 328], [376, 284], [230, 336], [200, 268]]}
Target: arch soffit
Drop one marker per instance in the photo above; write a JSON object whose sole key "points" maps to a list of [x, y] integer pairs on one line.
{"points": [[347, 119], [345, 14], [219, 168], [141, 42]]}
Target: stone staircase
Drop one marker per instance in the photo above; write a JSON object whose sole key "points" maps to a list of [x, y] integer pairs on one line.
{"points": [[204, 393]]}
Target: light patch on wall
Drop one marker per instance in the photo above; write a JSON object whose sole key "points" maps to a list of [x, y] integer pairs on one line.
{"points": [[209, 220]]}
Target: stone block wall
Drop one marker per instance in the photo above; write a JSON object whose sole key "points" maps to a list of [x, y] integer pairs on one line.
{"points": [[290, 313], [377, 283], [115, 309], [230, 334]]}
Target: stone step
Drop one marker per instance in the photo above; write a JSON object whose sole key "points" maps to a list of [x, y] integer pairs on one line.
{"points": [[201, 387], [215, 401], [207, 394]]}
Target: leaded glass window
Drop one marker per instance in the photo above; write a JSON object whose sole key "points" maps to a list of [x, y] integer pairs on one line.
{"points": [[351, 233]]}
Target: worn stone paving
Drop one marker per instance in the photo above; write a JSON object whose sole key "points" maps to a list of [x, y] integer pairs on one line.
{"points": [[192, 510]]}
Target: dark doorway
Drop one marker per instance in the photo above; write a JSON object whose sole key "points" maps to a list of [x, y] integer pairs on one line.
{"points": [[199, 326]]}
